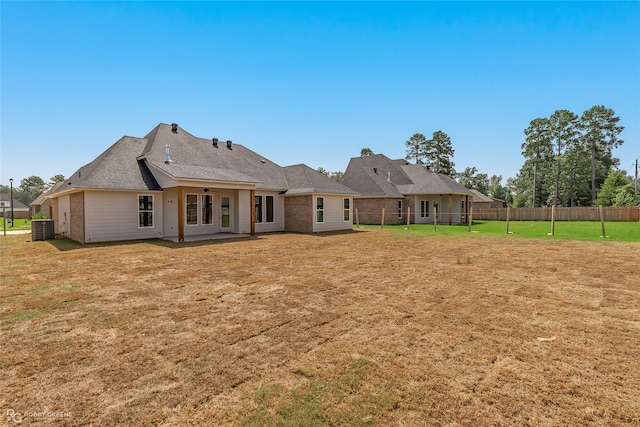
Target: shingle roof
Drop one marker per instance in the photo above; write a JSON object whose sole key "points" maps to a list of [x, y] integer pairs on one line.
{"points": [[17, 204], [115, 169], [425, 181], [127, 165], [42, 197], [197, 158], [301, 179], [479, 197], [379, 176]]}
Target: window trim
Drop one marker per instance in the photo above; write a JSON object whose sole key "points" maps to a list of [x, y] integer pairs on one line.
{"points": [[346, 211], [258, 208], [424, 213], [400, 209], [266, 208], [145, 210], [319, 210], [186, 210]]}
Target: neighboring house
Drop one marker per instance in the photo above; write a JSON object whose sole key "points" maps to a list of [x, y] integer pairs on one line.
{"points": [[398, 186], [171, 184], [482, 201], [20, 210], [44, 204]]}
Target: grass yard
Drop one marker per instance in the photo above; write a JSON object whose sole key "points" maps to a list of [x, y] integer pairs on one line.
{"points": [[18, 224], [350, 329], [564, 230]]}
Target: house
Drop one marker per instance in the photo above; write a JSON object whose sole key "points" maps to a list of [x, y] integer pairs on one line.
{"points": [[482, 201], [20, 210], [43, 204], [173, 185], [400, 189]]}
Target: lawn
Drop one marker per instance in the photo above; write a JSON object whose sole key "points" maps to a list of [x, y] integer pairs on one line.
{"points": [[361, 328], [18, 224], [564, 230]]}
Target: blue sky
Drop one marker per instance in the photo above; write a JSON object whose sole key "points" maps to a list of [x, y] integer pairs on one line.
{"points": [[308, 82]]}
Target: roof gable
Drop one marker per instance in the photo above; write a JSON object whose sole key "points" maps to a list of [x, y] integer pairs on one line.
{"points": [[301, 179]]}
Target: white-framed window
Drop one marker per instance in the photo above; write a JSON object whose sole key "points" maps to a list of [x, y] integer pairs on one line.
{"points": [[319, 209], [207, 209], [346, 209], [192, 209], [264, 207], [399, 208], [424, 209], [145, 210]]}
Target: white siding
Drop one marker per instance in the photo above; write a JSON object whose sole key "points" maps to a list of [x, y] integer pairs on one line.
{"points": [[113, 215], [278, 213], [333, 214], [241, 212], [170, 212]]}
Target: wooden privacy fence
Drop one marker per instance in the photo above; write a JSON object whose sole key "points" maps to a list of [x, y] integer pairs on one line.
{"points": [[630, 213]]}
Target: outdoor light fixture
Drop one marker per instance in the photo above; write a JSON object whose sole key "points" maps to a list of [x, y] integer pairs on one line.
{"points": [[206, 190], [11, 183]]}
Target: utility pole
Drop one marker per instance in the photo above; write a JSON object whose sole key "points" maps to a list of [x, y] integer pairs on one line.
{"points": [[11, 182]]}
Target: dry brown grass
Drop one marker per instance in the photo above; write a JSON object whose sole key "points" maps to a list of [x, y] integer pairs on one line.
{"points": [[366, 327]]}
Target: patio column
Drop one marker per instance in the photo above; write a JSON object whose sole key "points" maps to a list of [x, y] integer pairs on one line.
{"points": [[252, 209], [180, 214]]}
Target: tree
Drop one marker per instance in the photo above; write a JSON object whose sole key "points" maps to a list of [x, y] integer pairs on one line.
{"points": [[337, 176], [416, 148], [564, 135], [537, 148], [55, 179], [323, 171], [495, 188], [600, 135], [366, 152], [438, 153], [617, 190], [30, 188], [473, 180]]}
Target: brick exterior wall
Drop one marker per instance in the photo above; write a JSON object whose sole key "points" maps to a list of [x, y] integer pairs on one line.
{"points": [[76, 227], [370, 210], [54, 206], [298, 214]]}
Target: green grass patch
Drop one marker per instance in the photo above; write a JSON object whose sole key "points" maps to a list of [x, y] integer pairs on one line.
{"points": [[355, 396], [18, 224], [564, 230]]}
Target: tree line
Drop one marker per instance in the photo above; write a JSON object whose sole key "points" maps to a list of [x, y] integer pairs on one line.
{"points": [[30, 188], [568, 162]]}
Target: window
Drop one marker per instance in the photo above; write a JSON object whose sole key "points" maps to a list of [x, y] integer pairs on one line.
{"points": [[320, 209], [424, 209], [264, 212], [258, 209], [192, 209], [346, 210], [399, 208], [145, 211], [269, 214], [207, 209]]}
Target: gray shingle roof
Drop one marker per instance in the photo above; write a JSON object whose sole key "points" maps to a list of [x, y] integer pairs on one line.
{"points": [[197, 158], [301, 179], [42, 197], [115, 169], [127, 165], [379, 176], [17, 204]]}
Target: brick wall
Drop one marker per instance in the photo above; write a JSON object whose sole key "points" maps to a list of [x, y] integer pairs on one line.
{"points": [[298, 214], [370, 211], [76, 228]]}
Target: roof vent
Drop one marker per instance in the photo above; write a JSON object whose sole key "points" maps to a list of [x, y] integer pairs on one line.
{"points": [[229, 144], [174, 127], [167, 154], [215, 142], [375, 170], [388, 176]]}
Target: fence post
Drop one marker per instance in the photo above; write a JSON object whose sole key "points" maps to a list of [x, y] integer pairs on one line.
{"points": [[408, 216], [435, 219], [507, 219], [382, 222], [553, 220], [470, 218], [601, 210], [357, 221]]}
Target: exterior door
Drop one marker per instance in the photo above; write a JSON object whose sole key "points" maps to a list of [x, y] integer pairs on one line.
{"points": [[225, 214]]}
